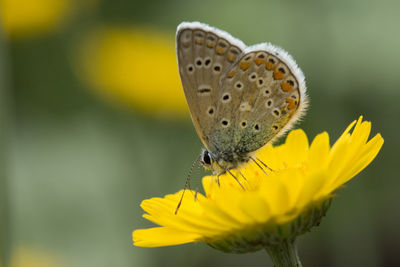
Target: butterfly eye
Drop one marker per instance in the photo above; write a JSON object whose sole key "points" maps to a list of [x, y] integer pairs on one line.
{"points": [[206, 158]]}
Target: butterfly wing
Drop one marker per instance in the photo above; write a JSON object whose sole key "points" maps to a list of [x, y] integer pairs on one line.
{"points": [[204, 55], [265, 94]]}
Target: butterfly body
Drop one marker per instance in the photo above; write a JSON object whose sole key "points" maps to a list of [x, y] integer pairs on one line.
{"points": [[240, 98]]}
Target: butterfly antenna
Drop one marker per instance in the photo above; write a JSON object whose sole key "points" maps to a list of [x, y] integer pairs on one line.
{"points": [[198, 173], [187, 183]]}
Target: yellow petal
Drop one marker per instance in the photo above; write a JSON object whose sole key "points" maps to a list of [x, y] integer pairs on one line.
{"points": [[162, 236], [275, 192], [296, 147], [319, 151], [255, 207], [371, 149], [163, 213]]}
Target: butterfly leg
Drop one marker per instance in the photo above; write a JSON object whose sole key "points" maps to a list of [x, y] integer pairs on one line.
{"points": [[218, 175], [229, 171], [265, 165], [241, 174], [258, 165]]}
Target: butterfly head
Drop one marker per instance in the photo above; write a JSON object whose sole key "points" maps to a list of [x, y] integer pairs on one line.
{"points": [[219, 164], [206, 160], [209, 162]]}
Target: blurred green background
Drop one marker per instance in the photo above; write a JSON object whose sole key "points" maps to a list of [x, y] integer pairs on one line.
{"points": [[93, 121]]}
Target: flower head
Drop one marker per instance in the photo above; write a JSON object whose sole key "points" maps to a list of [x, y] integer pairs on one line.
{"points": [[278, 206], [25, 17], [135, 66], [20, 19]]}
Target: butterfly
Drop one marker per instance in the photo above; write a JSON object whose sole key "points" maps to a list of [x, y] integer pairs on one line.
{"points": [[240, 97]]}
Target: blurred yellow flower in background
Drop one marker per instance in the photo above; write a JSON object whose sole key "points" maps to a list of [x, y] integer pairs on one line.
{"points": [[29, 17], [26, 18], [273, 208], [28, 257], [134, 66]]}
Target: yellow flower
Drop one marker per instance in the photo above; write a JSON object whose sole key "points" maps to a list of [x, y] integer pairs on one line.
{"points": [[28, 257], [134, 66], [279, 206], [28, 17]]}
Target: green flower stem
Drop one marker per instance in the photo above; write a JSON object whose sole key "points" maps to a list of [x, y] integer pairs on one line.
{"points": [[284, 254], [5, 100]]}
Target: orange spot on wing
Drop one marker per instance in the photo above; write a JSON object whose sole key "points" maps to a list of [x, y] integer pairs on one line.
{"points": [[269, 65], [278, 75], [244, 65], [258, 61], [210, 45], [230, 75], [291, 102], [186, 44], [231, 58], [199, 41], [286, 87], [220, 51]]}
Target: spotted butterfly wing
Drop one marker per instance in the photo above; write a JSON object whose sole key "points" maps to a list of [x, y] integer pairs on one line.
{"points": [[204, 55], [262, 95], [240, 98]]}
